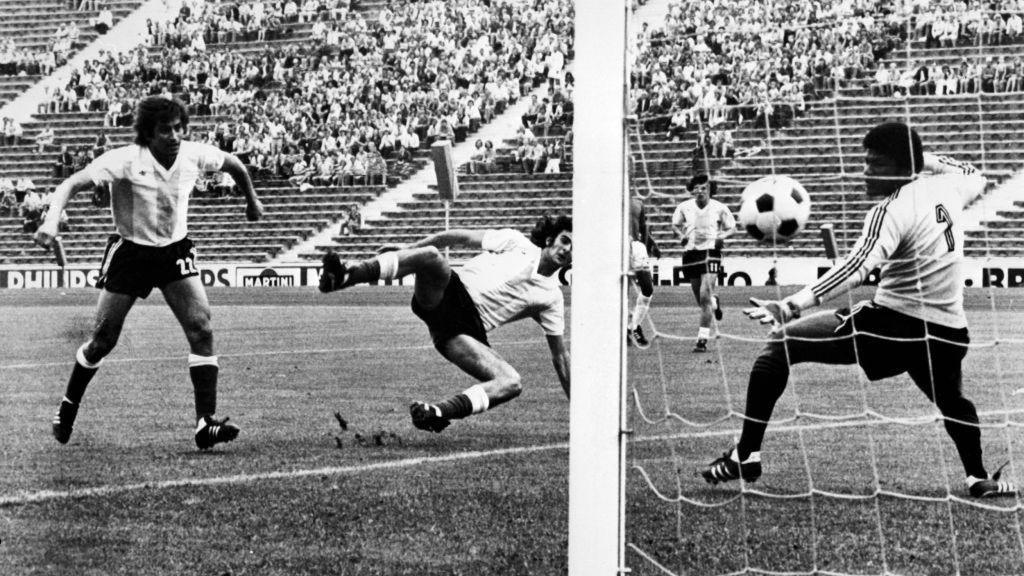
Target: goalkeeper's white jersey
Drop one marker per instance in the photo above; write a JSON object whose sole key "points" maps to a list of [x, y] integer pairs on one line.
{"points": [[917, 238], [701, 225]]}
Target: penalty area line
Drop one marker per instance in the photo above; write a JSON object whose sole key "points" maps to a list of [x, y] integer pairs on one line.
{"points": [[101, 491]]}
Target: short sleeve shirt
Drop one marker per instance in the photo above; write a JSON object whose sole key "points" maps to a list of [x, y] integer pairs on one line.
{"points": [[504, 283], [149, 203]]}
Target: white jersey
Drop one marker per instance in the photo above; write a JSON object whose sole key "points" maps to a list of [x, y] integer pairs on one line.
{"points": [[149, 202], [916, 235], [505, 285], [701, 226]]}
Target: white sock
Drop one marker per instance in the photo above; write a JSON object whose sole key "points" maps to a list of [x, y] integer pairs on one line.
{"points": [[703, 333], [478, 398], [197, 360], [80, 358], [754, 456], [643, 303], [388, 265]]}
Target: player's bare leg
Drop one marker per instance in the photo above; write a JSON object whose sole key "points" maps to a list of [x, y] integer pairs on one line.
{"points": [[187, 299], [499, 383], [634, 329], [111, 310], [703, 291], [809, 339]]}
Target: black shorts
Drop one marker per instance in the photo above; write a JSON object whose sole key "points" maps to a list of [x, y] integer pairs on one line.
{"points": [[456, 314], [889, 343], [133, 269], [696, 263]]}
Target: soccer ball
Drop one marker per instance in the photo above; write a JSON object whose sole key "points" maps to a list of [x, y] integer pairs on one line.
{"points": [[774, 209]]}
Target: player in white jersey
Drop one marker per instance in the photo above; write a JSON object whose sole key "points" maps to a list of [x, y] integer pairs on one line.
{"points": [[915, 324], [150, 182], [702, 224], [640, 241], [514, 278]]}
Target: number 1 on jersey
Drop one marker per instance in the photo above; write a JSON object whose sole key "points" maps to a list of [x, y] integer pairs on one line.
{"points": [[942, 217]]}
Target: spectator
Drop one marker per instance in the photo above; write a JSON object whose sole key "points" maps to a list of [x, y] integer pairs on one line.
{"points": [[44, 139], [23, 187], [64, 165], [376, 167], [476, 159], [31, 211]]}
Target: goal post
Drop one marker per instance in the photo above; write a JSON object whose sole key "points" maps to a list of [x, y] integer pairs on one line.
{"points": [[600, 201]]}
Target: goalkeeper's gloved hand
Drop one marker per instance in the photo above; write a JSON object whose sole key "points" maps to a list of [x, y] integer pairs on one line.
{"points": [[772, 311]]}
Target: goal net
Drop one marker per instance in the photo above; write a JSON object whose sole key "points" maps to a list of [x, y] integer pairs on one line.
{"points": [[859, 477]]}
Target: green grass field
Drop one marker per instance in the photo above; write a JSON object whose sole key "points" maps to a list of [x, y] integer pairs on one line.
{"points": [[296, 494]]}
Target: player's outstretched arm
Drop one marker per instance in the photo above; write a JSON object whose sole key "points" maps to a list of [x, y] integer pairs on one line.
{"points": [[560, 358], [234, 167], [63, 194]]}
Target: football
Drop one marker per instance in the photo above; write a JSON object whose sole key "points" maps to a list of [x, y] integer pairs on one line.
{"points": [[774, 209]]}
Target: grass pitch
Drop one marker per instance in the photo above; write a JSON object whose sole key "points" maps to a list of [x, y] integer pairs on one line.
{"points": [[296, 494]]}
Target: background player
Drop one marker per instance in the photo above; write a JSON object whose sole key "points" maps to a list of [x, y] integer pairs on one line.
{"points": [[702, 225], [150, 182], [513, 279], [640, 266], [914, 324]]}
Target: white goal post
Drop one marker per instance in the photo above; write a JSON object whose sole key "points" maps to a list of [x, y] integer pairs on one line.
{"points": [[600, 202]]}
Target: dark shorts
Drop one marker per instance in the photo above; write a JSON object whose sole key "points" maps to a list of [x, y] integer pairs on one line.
{"points": [[696, 263], [456, 314], [133, 269], [889, 343]]}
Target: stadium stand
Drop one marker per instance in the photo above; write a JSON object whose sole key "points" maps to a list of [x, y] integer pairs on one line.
{"points": [[816, 138], [295, 95]]}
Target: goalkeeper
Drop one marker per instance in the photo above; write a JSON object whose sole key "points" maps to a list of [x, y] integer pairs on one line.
{"points": [[915, 323]]}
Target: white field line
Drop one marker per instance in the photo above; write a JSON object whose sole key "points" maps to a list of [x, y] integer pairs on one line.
{"points": [[23, 498], [181, 357]]}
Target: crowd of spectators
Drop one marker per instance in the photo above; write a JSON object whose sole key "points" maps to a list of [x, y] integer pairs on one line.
{"points": [[716, 64], [737, 61], [961, 23], [333, 109], [994, 74]]}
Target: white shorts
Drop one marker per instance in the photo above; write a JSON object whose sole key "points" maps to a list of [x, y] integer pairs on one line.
{"points": [[638, 258]]}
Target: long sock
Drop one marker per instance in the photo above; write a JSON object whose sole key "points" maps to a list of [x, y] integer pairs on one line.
{"points": [[966, 437], [203, 371], [458, 406], [81, 375], [643, 303], [768, 381]]}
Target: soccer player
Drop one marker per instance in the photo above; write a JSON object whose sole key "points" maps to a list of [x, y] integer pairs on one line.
{"points": [[702, 225], [639, 263], [150, 184], [514, 278], [914, 324]]}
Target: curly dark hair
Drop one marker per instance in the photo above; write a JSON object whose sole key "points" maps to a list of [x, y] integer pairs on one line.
{"points": [[899, 142], [548, 227], [154, 110], [700, 179]]}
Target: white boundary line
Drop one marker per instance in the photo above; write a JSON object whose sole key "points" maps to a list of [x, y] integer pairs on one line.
{"points": [[47, 495], [24, 498], [182, 356]]}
